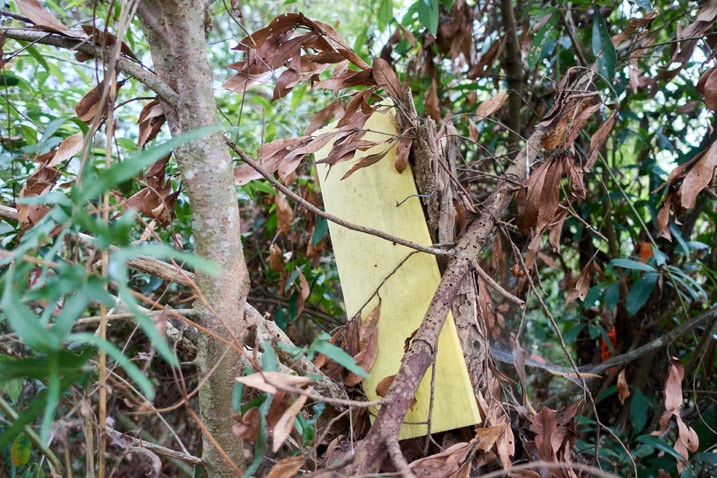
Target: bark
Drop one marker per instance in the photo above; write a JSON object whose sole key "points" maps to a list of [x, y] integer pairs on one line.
{"points": [[176, 36]]}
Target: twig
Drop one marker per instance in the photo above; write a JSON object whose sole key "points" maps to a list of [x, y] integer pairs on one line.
{"points": [[141, 74], [335, 219], [394, 451]]}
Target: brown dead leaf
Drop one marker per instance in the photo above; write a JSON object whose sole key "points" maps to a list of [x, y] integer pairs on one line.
{"points": [[284, 214], [69, 147], [332, 110], [285, 424], [700, 175], [454, 462], [687, 439], [44, 20], [430, 101], [276, 260], [491, 105], [287, 468], [690, 35], [151, 120], [383, 385], [403, 152], [269, 381], [368, 345], [623, 391], [581, 285], [386, 78], [102, 38], [707, 85], [599, 139], [89, 106], [247, 428]]}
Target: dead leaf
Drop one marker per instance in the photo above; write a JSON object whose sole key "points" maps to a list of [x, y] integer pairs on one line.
{"points": [[367, 345], [287, 468], [491, 105], [102, 38], [383, 385], [151, 119], [386, 78], [580, 288], [623, 391], [269, 381], [698, 177], [276, 261], [44, 20], [284, 214], [69, 147], [285, 424], [403, 152], [599, 139], [687, 439], [430, 101], [454, 462]]}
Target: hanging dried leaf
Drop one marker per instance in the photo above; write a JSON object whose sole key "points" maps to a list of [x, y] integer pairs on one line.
{"points": [[383, 385], [430, 101], [386, 78], [689, 37], [69, 147], [403, 153], [367, 346], [491, 105], [700, 175], [276, 261], [105, 39], [707, 85], [44, 20], [579, 289], [599, 139], [89, 106], [284, 213], [687, 439], [623, 391], [151, 119]]}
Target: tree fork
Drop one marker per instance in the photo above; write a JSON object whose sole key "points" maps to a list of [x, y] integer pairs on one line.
{"points": [[176, 36]]}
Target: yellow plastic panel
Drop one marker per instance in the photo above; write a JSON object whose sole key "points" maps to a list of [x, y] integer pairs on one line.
{"points": [[369, 197]]}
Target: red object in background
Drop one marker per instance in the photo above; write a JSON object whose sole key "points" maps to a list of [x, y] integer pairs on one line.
{"points": [[644, 251], [606, 351]]}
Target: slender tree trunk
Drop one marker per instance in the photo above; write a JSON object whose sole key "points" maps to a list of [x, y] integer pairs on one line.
{"points": [[176, 36]]}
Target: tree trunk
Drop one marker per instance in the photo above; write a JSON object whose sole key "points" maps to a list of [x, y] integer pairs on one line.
{"points": [[176, 36]]}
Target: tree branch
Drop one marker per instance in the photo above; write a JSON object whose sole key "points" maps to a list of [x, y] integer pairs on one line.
{"points": [[135, 70]]}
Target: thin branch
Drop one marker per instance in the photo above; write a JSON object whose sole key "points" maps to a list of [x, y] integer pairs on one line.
{"points": [[335, 219], [138, 72]]}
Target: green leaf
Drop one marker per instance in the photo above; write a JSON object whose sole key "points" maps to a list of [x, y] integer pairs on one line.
{"points": [[632, 265], [428, 15], [385, 13], [572, 334], [638, 410], [36, 367], [237, 394], [116, 354], [706, 456], [120, 172], [545, 34], [21, 449], [24, 322], [337, 355], [640, 292], [269, 362], [320, 230], [655, 442], [603, 49], [612, 295]]}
